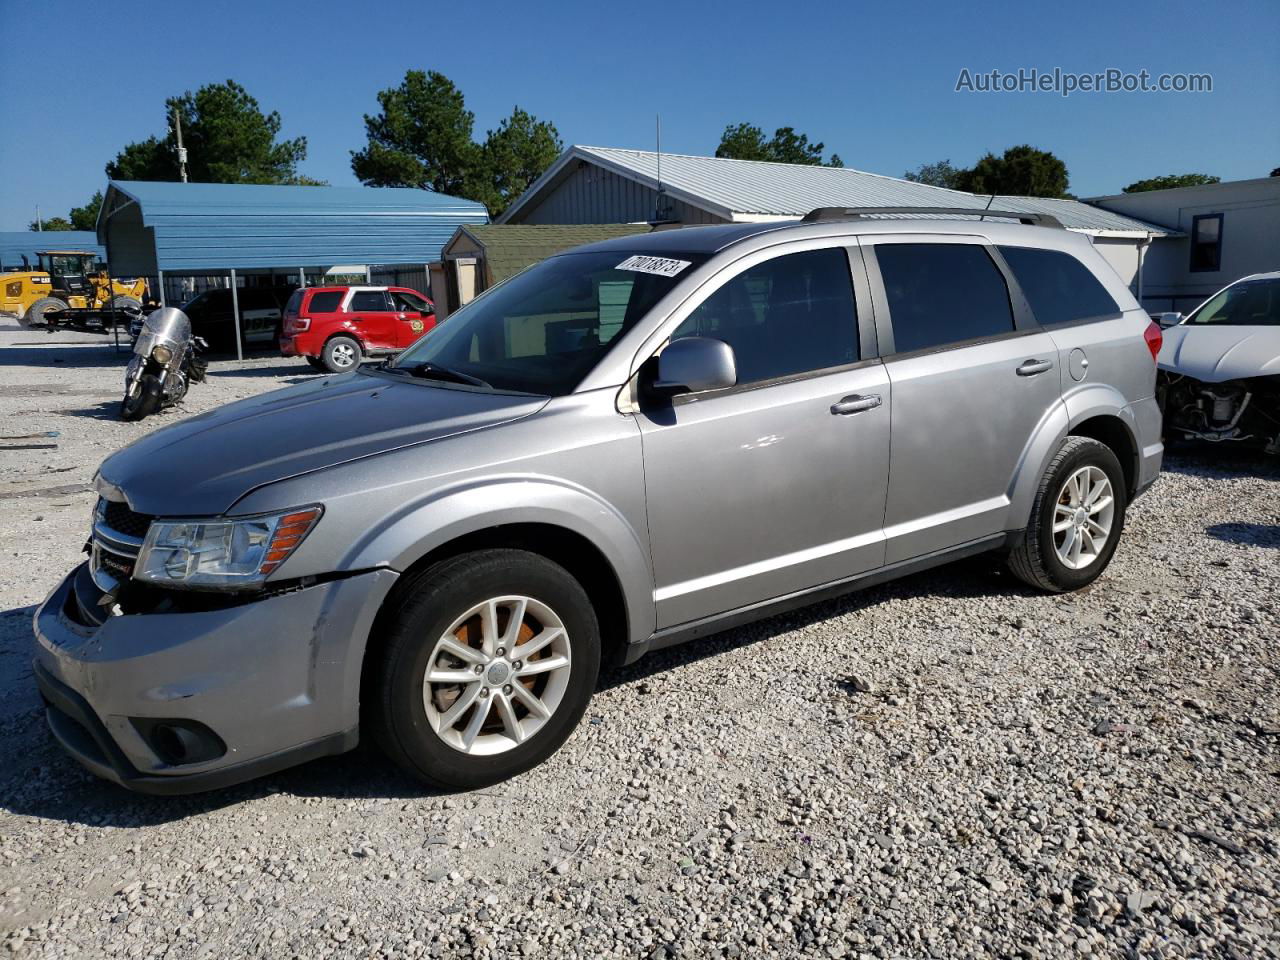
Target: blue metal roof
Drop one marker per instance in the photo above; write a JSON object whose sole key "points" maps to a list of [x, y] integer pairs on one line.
{"points": [[13, 245], [211, 227]]}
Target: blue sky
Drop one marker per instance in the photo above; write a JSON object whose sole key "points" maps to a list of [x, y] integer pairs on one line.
{"points": [[874, 81]]}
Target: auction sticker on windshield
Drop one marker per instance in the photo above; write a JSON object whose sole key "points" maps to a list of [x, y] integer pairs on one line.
{"points": [[662, 266]]}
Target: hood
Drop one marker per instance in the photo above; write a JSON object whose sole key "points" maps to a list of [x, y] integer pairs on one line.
{"points": [[203, 465], [1213, 354]]}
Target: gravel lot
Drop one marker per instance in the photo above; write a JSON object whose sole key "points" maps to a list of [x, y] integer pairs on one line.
{"points": [[949, 766]]}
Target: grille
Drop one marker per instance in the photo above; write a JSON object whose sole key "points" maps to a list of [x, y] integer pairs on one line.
{"points": [[118, 517]]}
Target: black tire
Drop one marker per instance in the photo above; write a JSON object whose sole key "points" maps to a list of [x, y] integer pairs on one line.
{"points": [[145, 403], [423, 608], [317, 364], [1035, 558], [34, 315], [341, 354]]}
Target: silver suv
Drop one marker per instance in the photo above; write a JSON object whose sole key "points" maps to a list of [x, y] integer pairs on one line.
{"points": [[627, 446]]}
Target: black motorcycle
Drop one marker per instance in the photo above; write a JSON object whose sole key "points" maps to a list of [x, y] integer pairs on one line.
{"points": [[166, 360]]}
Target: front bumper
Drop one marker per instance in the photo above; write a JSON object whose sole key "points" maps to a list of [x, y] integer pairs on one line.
{"points": [[276, 679]]}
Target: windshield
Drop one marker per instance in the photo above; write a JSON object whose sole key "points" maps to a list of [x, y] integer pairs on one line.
{"points": [[1249, 304], [544, 329]]}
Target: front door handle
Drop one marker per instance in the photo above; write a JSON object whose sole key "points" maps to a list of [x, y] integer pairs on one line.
{"points": [[855, 404], [1031, 367]]}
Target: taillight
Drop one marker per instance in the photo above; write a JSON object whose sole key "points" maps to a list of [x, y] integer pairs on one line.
{"points": [[1154, 337], [299, 324]]}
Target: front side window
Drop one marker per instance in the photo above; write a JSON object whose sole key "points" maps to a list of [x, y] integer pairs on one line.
{"points": [[1059, 287], [369, 301], [410, 302], [1253, 303], [942, 293], [543, 330], [789, 315], [1206, 243]]}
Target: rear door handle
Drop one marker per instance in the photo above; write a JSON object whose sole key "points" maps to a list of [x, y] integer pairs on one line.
{"points": [[1031, 367], [855, 404]]}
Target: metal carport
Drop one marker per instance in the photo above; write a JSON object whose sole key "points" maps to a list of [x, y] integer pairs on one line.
{"points": [[204, 229]]}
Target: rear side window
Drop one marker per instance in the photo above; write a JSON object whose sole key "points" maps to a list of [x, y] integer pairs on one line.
{"points": [[942, 293], [786, 316], [1059, 287], [295, 302], [369, 300], [325, 301]]}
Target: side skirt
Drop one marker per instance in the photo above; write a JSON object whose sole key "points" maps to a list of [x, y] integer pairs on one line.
{"points": [[684, 632]]}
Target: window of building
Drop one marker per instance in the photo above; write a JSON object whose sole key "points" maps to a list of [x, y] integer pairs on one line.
{"points": [[1206, 243]]}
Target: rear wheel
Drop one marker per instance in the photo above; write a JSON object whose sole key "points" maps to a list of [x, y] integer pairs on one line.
{"points": [[490, 661], [341, 354], [1076, 519], [34, 317]]}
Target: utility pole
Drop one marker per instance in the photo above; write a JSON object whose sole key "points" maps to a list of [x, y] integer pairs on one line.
{"points": [[182, 151]]}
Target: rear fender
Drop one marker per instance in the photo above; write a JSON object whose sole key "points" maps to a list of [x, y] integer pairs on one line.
{"points": [[416, 529]]}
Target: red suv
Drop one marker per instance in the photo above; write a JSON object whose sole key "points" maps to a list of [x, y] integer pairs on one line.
{"points": [[334, 328]]}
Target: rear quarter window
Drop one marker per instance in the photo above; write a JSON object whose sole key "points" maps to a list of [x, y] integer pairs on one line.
{"points": [[326, 301], [1059, 288]]}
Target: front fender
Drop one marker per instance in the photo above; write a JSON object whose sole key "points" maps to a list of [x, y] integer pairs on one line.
{"points": [[406, 535]]}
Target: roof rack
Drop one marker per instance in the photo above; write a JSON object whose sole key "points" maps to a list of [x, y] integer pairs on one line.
{"points": [[857, 213]]}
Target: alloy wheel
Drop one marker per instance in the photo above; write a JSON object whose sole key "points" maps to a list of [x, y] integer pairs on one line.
{"points": [[1082, 517], [497, 675]]}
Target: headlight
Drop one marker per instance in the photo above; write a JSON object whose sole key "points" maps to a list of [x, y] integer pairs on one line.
{"points": [[221, 554], [162, 353]]}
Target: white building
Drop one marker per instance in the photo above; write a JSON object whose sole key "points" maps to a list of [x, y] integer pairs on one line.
{"points": [[1220, 232]]}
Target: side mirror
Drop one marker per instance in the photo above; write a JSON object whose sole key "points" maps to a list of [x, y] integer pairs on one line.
{"points": [[1171, 319], [693, 364]]}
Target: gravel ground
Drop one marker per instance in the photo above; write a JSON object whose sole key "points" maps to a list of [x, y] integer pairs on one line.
{"points": [[949, 766]]}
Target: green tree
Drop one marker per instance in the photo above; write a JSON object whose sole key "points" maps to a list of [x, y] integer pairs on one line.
{"points": [[511, 158], [940, 174], [421, 137], [51, 224], [86, 217], [1022, 171], [744, 141], [1170, 181], [228, 139]]}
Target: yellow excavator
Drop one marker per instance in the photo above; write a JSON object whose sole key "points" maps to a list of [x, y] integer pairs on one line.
{"points": [[70, 288]]}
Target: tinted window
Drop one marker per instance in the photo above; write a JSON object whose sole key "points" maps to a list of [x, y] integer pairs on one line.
{"points": [[942, 293], [544, 329], [368, 300], [1058, 286], [785, 316], [295, 301], [326, 301]]}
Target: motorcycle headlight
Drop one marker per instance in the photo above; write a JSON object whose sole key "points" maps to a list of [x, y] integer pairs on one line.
{"points": [[162, 353], [235, 554]]}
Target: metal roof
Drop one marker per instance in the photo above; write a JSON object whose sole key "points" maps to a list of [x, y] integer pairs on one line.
{"points": [[753, 190], [208, 227], [16, 243], [510, 247]]}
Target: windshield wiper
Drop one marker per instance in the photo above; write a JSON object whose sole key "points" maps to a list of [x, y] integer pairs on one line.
{"points": [[433, 371]]}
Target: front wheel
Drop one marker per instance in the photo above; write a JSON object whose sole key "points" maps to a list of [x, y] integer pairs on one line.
{"points": [[1076, 519], [489, 664], [144, 401]]}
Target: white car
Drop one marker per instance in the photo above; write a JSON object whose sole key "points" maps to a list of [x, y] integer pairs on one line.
{"points": [[1220, 366]]}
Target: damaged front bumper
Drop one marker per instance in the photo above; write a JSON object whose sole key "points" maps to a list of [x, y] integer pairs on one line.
{"points": [[180, 700]]}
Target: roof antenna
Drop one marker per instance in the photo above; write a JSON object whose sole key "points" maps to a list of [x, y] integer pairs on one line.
{"points": [[659, 211], [990, 200]]}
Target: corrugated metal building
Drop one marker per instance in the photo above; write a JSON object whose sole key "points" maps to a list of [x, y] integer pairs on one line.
{"points": [[203, 228], [25, 243], [609, 185]]}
